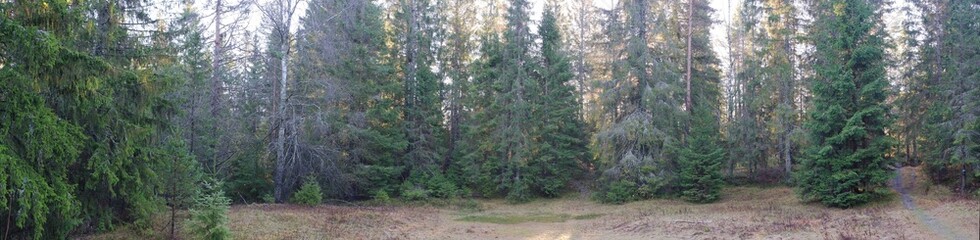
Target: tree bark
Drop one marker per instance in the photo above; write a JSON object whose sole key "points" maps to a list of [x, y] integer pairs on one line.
{"points": [[281, 134], [690, 28]]}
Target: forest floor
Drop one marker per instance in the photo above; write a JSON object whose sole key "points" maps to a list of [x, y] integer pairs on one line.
{"points": [[916, 211]]}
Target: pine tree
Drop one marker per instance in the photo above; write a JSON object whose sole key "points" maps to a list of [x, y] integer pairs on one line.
{"points": [[846, 165], [559, 139]]}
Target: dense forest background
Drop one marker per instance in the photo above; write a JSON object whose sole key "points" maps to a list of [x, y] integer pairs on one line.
{"points": [[113, 110]]}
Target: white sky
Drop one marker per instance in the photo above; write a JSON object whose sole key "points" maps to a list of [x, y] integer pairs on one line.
{"points": [[723, 11], [721, 7]]}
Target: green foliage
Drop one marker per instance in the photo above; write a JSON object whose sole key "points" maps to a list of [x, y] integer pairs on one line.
{"points": [[81, 113], [700, 166], [379, 178], [518, 192], [424, 187], [209, 216], [249, 180], [413, 192], [268, 198], [641, 103], [181, 175], [347, 72], [309, 194], [846, 165], [948, 88], [620, 192], [478, 162], [36, 152], [382, 197], [559, 136], [442, 187], [511, 140], [415, 26]]}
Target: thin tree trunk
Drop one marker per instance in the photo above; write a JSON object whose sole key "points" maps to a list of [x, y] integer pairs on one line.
{"points": [[281, 138], [690, 28], [217, 54], [173, 198]]}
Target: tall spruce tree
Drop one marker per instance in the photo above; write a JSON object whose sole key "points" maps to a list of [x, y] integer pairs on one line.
{"points": [[750, 95], [356, 139], [642, 100], [846, 164], [80, 139], [559, 139], [512, 135], [700, 162], [455, 61], [480, 162], [192, 96], [415, 33], [951, 145]]}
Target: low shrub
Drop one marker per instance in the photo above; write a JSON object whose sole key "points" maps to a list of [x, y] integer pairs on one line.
{"points": [[620, 192], [209, 216], [381, 196], [268, 198], [309, 194], [441, 187]]}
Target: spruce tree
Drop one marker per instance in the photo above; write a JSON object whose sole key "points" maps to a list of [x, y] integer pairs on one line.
{"points": [[700, 164], [194, 70], [846, 164], [415, 35], [642, 100], [346, 78], [481, 164], [455, 61], [69, 111], [751, 95], [512, 135], [701, 156], [951, 145], [559, 137], [180, 176]]}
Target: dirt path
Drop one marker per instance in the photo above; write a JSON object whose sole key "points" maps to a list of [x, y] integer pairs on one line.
{"points": [[903, 189]]}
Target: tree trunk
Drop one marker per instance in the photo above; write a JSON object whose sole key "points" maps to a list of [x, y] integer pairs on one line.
{"points": [[173, 198], [281, 135], [690, 28]]}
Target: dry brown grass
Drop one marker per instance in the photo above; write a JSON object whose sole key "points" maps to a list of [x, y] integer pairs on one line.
{"points": [[744, 213]]}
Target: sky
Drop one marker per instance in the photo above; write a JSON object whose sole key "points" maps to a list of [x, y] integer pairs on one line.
{"points": [[721, 7], [723, 11]]}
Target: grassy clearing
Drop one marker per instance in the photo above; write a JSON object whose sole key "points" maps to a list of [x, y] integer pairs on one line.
{"points": [[743, 213]]}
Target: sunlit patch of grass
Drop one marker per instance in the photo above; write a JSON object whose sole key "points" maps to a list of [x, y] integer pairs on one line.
{"points": [[588, 216], [515, 219]]}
